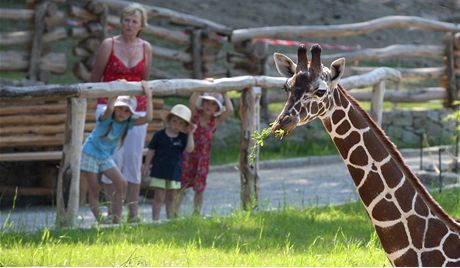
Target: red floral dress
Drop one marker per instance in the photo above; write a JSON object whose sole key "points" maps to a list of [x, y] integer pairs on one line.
{"points": [[195, 165], [116, 69]]}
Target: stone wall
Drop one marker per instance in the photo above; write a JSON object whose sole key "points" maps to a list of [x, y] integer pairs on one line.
{"points": [[405, 127]]}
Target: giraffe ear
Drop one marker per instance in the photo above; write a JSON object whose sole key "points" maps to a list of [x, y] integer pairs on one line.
{"points": [[337, 70], [285, 66]]}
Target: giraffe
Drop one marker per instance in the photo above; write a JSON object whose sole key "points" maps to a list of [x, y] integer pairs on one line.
{"points": [[413, 229]]}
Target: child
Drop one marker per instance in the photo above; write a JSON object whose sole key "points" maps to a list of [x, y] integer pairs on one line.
{"points": [[208, 111], [166, 148], [111, 129]]}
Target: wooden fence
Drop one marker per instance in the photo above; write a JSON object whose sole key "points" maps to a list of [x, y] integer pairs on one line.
{"points": [[256, 57], [68, 183]]}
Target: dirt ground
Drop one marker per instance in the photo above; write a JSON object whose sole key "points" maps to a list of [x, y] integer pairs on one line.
{"points": [[259, 13]]}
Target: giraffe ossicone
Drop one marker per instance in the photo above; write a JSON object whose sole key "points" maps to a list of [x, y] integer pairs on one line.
{"points": [[413, 229]]}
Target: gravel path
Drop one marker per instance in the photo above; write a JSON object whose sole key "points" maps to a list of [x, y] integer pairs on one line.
{"points": [[301, 182]]}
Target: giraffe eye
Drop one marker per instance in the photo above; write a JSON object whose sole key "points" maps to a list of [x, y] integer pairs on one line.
{"points": [[320, 92]]}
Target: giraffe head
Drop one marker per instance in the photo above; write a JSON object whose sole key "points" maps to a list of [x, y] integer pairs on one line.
{"points": [[309, 87]]}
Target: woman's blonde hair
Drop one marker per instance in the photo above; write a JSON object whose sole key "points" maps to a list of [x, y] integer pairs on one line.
{"points": [[131, 10]]}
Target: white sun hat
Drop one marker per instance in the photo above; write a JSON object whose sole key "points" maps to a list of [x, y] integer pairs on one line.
{"points": [[216, 97], [181, 111], [127, 101]]}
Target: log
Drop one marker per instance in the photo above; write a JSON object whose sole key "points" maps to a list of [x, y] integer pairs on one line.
{"points": [[197, 52], [37, 41], [90, 44], [407, 74], [457, 41], [80, 52], [170, 54], [39, 129], [81, 71], [179, 86], [176, 37], [32, 140], [25, 37], [68, 184], [175, 17], [352, 29], [27, 191], [16, 14], [82, 13], [18, 61], [23, 108], [79, 32], [418, 51], [96, 29], [249, 111], [378, 92]]}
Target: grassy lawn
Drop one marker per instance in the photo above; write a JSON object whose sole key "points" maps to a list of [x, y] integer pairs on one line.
{"points": [[328, 236]]}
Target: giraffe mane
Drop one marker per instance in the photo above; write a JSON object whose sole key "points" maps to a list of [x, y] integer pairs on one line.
{"points": [[412, 178]]}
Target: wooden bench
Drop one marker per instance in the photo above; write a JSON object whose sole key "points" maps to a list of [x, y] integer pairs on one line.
{"points": [[33, 131]]}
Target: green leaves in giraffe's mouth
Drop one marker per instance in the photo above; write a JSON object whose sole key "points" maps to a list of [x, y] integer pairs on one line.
{"points": [[259, 138]]}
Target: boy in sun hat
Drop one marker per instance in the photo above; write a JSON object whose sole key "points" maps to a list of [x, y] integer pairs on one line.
{"points": [[111, 129], [163, 162], [208, 111]]}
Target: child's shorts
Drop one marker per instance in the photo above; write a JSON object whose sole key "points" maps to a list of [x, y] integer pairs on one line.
{"points": [[164, 184], [92, 164]]}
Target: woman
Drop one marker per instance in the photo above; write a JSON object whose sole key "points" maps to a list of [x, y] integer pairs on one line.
{"points": [[127, 57]]}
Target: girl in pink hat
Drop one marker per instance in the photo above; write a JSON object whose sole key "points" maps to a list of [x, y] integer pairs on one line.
{"points": [[208, 111]]}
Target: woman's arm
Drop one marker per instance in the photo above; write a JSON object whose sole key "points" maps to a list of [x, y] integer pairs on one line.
{"points": [[148, 160], [102, 57], [148, 61], [149, 114], [109, 109], [228, 109]]}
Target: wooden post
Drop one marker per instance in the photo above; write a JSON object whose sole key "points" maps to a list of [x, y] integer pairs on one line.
{"points": [[68, 185], [378, 92], [37, 42], [250, 117], [451, 87], [261, 53], [197, 52]]}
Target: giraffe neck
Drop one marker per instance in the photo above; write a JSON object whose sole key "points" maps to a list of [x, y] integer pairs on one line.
{"points": [[413, 229]]}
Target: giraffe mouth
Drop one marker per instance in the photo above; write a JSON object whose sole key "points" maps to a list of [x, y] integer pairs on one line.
{"points": [[284, 126]]}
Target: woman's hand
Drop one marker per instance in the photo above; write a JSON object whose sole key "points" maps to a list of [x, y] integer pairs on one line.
{"points": [[146, 88]]}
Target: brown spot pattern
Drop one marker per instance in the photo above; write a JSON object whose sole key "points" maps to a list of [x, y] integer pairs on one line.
{"points": [[391, 173], [344, 145], [436, 231], [393, 238], [343, 128], [432, 258], [371, 188], [405, 195], [314, 108], [417, 230], [409, 258], [337, 116], [357, 119], [420, 207], [359, 157], [356, 173], [385, 211], [452, 246], [374, 146]]}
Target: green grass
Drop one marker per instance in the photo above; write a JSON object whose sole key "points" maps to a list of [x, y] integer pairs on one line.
{"points": [[328, 236]]}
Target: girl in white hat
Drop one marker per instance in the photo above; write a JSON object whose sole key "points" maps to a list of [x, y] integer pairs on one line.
{"points": [[111, 130], [163, 162], [209, 110]]}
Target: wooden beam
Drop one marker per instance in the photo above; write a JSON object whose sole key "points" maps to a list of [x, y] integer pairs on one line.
{"points": [[352, 29], [68, 184], [249, 111]]}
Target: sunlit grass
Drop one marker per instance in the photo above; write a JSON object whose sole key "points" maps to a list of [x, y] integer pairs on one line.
{"points": [[328, 236]]}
